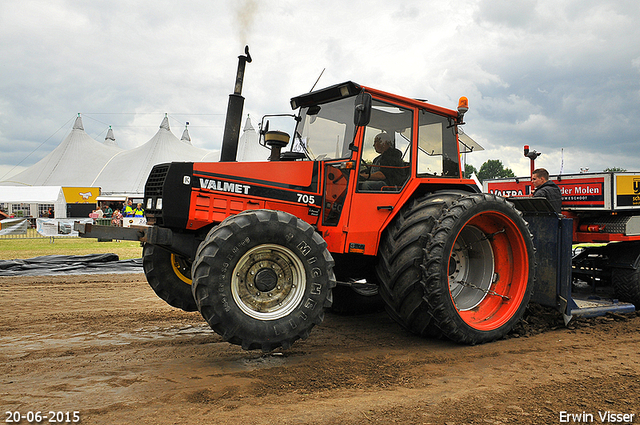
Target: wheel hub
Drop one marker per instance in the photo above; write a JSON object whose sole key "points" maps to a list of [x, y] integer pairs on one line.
{"points": [[266, 280], [471, 268]]}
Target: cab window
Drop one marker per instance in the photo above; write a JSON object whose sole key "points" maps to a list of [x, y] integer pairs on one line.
{"points": [[437, 146], [386, 151]]}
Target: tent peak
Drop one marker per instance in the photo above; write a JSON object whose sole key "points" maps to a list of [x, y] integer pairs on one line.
{"points": [[247, 124], [78, 124], [165, 122], [110, 139], [185, 134], [110, 134]]}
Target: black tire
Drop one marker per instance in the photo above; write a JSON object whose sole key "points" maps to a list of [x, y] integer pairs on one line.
{"points": [[401, 257], [262, 279], [479, 269], [169, 275], [623, 258], [626, 284]]}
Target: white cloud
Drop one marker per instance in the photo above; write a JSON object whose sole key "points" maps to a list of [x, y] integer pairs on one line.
{"points": [[550, 74]]}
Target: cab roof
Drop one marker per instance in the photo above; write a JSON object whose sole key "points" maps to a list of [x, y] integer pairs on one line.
{"points": [[325, 95]]}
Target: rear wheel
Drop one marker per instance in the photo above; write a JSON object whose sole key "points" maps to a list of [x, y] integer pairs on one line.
{"points": [[262, 279], [626, 283], [624, 261], [169, 275], [479, 269], [401, 257]]}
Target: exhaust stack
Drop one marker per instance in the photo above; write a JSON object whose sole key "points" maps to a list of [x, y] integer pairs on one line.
{"points": [[234, 113]]}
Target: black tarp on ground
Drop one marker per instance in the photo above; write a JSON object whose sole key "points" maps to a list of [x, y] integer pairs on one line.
{"points": [[70, 264]]}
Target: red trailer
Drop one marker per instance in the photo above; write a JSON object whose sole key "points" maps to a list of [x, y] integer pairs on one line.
{"points": [[604, 209]]}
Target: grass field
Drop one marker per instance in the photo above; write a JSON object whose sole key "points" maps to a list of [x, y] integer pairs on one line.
{"points": [[11, 249]]}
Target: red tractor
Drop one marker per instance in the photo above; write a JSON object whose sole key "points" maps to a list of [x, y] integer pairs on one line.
{"points": [[258, 248]]}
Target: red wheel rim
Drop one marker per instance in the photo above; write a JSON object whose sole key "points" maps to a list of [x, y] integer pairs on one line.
{"points": [[502, 290]]}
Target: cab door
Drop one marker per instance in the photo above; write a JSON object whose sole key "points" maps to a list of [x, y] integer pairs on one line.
{"points": [[375, 199]]}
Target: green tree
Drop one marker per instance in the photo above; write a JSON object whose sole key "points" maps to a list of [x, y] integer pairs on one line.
{"points": [[494, 169], [468, 170], [614, 170]]}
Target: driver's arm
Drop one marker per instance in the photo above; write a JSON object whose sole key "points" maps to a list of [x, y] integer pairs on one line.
{"points": [[377, 175]]}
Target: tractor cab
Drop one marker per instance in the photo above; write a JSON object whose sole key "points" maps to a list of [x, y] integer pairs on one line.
{"points": [[342, 121], [376, 150]]}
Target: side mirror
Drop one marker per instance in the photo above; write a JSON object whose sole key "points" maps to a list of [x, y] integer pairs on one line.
{"points": [[362, 112], [313, 110]]}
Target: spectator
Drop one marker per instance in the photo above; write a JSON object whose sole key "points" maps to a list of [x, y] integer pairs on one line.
{"points": [[96, 214], [139, 211], [107, 211], [116, 219], [127, 210], [546, 188]]}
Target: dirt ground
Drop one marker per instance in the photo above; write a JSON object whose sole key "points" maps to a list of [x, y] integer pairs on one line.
{"points": [[107, 347]]}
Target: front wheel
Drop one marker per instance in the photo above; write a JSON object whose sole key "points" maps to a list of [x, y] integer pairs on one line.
{"points": [[169, 275], [262, 279], [478, 269]]}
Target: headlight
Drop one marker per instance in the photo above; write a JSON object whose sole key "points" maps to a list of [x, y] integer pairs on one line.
{"points": [[149, 203], [159, 204]]}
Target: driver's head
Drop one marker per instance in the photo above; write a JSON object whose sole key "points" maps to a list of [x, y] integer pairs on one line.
{"points": [[382, 142]]}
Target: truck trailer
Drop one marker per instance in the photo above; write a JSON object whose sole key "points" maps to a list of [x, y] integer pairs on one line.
{"points": [[603, 211]]}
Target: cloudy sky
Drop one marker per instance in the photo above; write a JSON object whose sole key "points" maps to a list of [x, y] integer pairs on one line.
{"points": [[562, 76]]}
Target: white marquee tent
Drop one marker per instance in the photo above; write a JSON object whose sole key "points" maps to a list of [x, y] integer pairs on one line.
{"points": [[127, 171], [248, 147], [81, 161], [76, 161]]}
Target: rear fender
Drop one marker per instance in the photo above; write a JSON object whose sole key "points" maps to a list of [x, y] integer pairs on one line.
{"points": [[425, 189]]}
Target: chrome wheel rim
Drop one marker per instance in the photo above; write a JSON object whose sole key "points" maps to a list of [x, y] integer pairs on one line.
{"points": [[268, 282]]}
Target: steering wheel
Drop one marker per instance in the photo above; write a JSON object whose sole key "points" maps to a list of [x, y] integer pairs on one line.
{"points": [[367, 168]]}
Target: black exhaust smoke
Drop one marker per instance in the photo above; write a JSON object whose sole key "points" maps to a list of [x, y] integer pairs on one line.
{"points": [[234, 113]]}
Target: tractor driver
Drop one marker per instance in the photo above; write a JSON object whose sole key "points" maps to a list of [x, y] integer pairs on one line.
{"points": [[546, 189], [388, 167]]}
